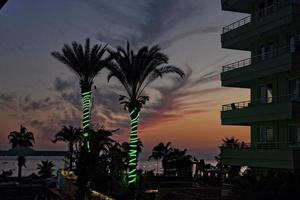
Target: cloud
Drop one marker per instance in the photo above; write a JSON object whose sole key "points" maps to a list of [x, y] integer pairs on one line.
{"points": [[7, 97], [169, 102], [151, 21], [62, 85], [180, 99]]}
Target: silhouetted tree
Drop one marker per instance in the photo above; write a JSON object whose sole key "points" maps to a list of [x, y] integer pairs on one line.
{"points": [[200, 166], [135, 71], [21, 163], [231, 143], [86, 62], [94, 164], [70, 135], [45, 169], [163, 150], [6, 173], [22, 138], [158, 153], [180, 161]]}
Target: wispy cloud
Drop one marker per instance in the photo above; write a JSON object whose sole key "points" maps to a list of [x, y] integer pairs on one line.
{"points": [[151, 21], [178, 99]]}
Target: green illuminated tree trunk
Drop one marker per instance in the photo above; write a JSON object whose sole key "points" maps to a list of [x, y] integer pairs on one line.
{"points": [[85, 161], [133, 157], [86, 119]]}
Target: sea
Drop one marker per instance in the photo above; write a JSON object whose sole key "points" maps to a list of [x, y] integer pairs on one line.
{"points": [[10, 163]]}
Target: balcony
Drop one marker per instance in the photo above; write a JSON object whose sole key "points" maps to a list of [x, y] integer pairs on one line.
{"points": [[237, 5], [259, 110], [240, 34], [243, 72], [281, 155]]}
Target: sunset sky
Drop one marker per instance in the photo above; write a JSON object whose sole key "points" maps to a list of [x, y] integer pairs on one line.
{"points": [[43, 94]]}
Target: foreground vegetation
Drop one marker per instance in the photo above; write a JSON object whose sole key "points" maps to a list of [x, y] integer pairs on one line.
{"points": [[110, 168]]}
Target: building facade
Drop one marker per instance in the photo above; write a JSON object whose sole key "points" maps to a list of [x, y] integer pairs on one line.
{"points": [[271, 32]]}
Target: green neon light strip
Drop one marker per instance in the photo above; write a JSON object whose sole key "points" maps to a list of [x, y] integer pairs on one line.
{"points": [[85, 134], [88, 145], [86, 117], [132, 180], [134, 116]]}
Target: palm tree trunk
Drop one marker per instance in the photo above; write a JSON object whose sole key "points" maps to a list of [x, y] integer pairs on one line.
{"points": [[86, 118], [71, 155], [157, 167], [19, 171], [84, 161], [134, 116]]}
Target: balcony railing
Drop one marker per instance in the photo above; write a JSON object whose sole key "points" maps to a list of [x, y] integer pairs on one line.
{"points": [[263, 145], [258, 15], [261, 101], [262, 57]]}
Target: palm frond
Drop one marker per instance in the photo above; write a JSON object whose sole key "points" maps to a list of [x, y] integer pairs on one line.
{"points": [[84, 60], [136, 71]]}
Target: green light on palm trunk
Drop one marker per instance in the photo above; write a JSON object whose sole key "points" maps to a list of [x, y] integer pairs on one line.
{"points": [[134, 116], [86, 104]]}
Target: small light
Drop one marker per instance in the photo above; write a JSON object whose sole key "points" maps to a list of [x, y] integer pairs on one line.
{"points": [[201, 174], [151, 191]]}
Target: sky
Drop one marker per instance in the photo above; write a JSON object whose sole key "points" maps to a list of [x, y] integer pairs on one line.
{"points": [[42, 94]]}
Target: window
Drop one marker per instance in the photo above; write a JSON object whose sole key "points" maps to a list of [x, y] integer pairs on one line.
{"points": [[269, 134], [265, 93], [262, 52], [269, 93], [265, 134], [261, 9], [294, 88], [294, 135], [270, 50], [292, 44]]}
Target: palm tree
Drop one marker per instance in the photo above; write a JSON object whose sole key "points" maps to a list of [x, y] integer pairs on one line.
{"points": [[180, 160], [159, 151], [21, 163], [86, 62], [45, 169], [136, 71], [88, 163], [22, 138], [231, 143], [70, 135]]}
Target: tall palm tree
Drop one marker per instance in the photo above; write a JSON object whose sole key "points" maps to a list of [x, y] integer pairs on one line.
{"points": [[159, 152], [70, 135], [22, 138], [136, 71], [86, 62], [45, 169], [21, 163]]}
